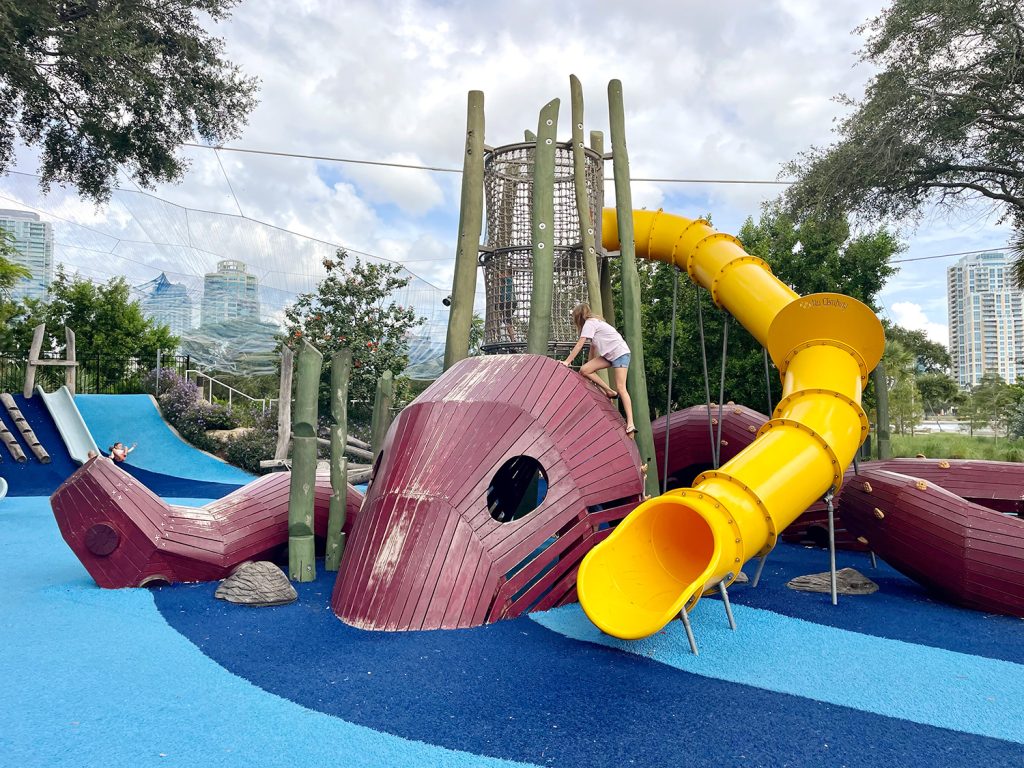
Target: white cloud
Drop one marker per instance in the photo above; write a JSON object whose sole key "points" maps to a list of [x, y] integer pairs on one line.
{"points": [[911, 316]]}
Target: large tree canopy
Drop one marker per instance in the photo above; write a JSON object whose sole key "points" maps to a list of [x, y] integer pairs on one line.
{"points": [[115, 83], [942, 121]]}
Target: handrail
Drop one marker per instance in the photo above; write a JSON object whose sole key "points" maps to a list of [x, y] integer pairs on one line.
{"points": [[264, 402]]}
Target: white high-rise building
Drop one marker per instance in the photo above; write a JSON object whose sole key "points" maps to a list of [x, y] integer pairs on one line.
{"points": [[33, 241], [230, 293], [986, 326]]}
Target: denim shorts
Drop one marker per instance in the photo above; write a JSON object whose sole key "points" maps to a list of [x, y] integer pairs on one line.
{"points": [[622, 361]]}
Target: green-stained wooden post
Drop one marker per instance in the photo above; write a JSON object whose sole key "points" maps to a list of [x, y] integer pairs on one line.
{"points": [[607, 294], [637, 381], [341, 366], [301, 555], [529, 136], [543, 231], [460, 315], [579, 177], [882, 412], [382, 404]]}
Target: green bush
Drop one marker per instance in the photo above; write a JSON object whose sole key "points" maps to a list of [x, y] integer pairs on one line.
{"points": [[249, 449]]}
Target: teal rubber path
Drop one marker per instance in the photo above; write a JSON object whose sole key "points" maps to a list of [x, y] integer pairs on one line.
{"points": [[135, 419]]}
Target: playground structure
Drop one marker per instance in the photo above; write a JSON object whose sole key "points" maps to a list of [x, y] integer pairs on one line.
{"points": [[509, 485]]}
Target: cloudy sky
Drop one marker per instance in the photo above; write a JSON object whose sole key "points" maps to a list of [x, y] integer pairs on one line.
{"points": [[725, 90]]}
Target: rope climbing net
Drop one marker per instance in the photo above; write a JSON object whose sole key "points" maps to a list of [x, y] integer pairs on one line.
{"points": [[507, 256]]}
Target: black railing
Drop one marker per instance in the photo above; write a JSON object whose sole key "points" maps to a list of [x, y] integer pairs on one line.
{"points": [[97, 374]]}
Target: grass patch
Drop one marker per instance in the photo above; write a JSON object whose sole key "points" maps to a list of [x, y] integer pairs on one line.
{"points": [[945, 446]]}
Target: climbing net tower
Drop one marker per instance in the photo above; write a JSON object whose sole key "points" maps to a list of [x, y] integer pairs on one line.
{"points": [[507, 259]]}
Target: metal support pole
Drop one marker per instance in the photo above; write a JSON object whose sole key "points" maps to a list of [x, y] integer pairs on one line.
{"points": [[757, 574], [728, 607], [707, 383], [831, 548], [157, 393], [721, 391], [671, 365], [689, 631], [768, 381]]}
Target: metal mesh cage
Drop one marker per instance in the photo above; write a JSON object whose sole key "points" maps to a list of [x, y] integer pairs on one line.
{"points": [[508, 255]]}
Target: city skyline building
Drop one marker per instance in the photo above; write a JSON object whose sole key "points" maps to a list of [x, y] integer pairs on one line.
{"points": [[168, 304], [986, 326], [33, 241], [230, 294]]}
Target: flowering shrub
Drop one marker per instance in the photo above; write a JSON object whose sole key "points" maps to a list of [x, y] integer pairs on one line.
{"points": [[183, 407], [249, 449]]}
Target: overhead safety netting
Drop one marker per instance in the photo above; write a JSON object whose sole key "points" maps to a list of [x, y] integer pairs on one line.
{"points": [[221, 281]]}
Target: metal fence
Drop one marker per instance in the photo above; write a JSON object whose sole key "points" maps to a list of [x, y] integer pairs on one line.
{"points": [[97, 374]]}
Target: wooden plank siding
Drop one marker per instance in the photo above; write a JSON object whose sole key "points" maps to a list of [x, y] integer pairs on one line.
{"points": [[426, 553], [966, 553], [156, 540]]}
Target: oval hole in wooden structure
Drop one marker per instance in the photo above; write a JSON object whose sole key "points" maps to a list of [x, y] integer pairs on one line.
{"points": [[517, 488]]}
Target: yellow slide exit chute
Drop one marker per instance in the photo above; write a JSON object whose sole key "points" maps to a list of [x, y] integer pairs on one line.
{"points": [[663, 556]]}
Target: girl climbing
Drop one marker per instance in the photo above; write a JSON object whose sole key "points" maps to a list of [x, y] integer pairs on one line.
{"points": [[607, 350]]}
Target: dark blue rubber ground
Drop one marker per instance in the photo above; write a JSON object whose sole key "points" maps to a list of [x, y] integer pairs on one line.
{"points": [[518, 691]]}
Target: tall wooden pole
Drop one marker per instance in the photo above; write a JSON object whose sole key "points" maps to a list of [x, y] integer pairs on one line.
{"points": [[284, 404], [579, 177], [543, 230], [382, 404], [341, 366], [882, 411], [301, 553], [460, 316], [607, 294], [637, 380]]}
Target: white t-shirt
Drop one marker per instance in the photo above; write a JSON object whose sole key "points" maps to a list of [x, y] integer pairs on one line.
{"points": [[608, 343]]}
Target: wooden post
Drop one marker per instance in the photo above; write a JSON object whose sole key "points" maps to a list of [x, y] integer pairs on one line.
{"points": [[882, 411], [382, 404], [583, 209], [607, 294], [284, 405], [71, 356], [529, 136], [543, 230], [341, 366], [637, 381], [460, 314], [301, 552], [33, 358]]}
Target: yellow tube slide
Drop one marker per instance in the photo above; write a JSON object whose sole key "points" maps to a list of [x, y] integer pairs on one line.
{"points": [[662, 557]]}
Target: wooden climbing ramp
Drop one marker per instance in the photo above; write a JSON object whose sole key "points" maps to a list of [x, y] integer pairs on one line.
{"points": [[127, 536], [490, 488]]}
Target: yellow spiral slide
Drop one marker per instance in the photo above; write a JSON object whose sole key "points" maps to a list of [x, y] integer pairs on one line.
{"points": [[663, 556]]}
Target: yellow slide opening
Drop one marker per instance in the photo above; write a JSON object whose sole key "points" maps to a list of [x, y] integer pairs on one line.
{"points": [[661, 558]]}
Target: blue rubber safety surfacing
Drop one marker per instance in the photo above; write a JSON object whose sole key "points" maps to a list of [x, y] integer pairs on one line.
{"points": [[517, 691], [135, 419]]}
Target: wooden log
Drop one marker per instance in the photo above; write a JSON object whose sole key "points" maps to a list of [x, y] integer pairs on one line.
{"points": [[21, 424], [543, 226], [341, 367], [301, 549], [637, 380], [583, 207], [12, 444], [382, 404], [460, 314], [882, 408], [33, 355], [284, 404], [71, 355], [350, 448]]}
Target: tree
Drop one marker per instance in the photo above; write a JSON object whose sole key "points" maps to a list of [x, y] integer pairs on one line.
{"points": [[354, 307], [10, 271], [118, 84], [941, 122], [939, 392], [993, 401], [930, 356], [905, 403]]}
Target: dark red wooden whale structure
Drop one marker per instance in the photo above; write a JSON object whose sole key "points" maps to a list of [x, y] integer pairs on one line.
{"points": [[127, 536], [964, 552], [433, 547]]}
